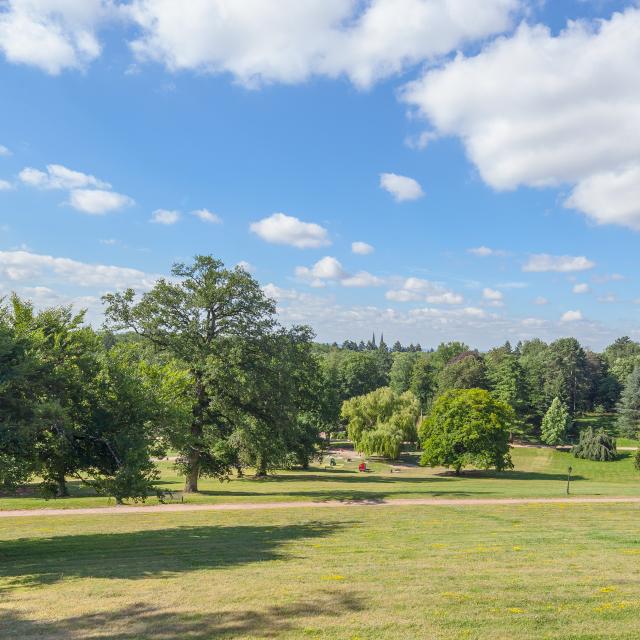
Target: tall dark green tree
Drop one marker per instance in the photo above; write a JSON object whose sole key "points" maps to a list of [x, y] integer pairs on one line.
{"points": [[465, 371], [567, 374], [506, 378], [622, 356], [401, 370], [192, 317], [628, 422], [274, 408]]}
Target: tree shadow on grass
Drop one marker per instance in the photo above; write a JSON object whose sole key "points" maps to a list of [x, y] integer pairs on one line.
{"points": [[143, 622], [508, 475], [350, 496], [353, 477], [148, 553]]}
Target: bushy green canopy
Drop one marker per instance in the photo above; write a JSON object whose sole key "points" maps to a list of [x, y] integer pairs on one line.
{"points": [[595, 445], [555, 423], [379, 422], [467, 427]]}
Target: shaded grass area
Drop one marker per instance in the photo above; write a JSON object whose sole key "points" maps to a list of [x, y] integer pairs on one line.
{"points": [[539, 472], [527, 572]]}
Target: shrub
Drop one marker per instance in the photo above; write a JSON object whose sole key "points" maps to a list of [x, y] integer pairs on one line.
{"points": [[595, 445]]}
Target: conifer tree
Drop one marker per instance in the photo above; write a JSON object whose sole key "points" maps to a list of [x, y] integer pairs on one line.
{"points": [[555, 423], [628, 422]]}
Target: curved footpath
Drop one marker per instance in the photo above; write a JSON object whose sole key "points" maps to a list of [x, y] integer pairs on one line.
{"points": [[307, 504]]}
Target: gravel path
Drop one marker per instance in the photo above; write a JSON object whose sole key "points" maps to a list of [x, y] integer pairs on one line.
{"points": [[306, 504]]}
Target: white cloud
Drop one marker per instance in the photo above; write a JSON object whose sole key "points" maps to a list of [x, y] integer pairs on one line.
{"points": [[361, 248], [402, 188], [544, 262], [98, 201], [533, 322], [608, 298], [23, 266], [420, 290], [327, 268], [4, 151], [58, 176], [571, 316], [362, 279], [247, 266], [207, 216], [492, 295], [447, 297], [581, 287], [277, 293], [330, 270], [610, 197], [86, 192], [5, 185], [279, 228], [165, 216], [608, 277], [525, 105], [541, 300], [289, 41], [52, 35], [483, 252]]}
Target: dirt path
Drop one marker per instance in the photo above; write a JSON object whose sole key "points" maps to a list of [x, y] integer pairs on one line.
{"points": [[248, 506]]}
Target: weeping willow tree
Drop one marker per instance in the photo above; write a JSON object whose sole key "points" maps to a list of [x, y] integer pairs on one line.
{"points": [[379, 422], [595, 445]]}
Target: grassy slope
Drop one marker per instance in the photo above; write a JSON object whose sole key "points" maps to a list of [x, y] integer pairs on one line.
{"points": [[565, 572], [538, 472]]}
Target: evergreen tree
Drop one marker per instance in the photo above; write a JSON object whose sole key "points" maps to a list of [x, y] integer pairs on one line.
{"points": [[401, 370], [628, 421], [595, 445], [555, 423], [397, 347]]}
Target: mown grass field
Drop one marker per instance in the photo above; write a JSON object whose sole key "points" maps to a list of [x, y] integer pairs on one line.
{"points": [[564, 571], [537, 472]]}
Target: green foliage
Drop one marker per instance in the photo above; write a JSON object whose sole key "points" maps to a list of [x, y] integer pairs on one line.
{"points": [[423, 382], [628, 422], [379, 422], [464, 371], [446, 352], [622, 357], [196, 319], [467, 427], [567, 374], [272, 409], [505, 378], [401, 370], [636, 460], [595, 445], [555, 423]]}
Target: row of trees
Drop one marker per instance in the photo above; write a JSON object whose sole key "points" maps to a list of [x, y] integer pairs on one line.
{"points": [[198, 364], [528, 377]]}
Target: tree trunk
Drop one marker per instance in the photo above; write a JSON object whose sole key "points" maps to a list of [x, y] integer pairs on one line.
{"points": [[193, 471], [261, 468], [239, 471], [458, 470], [61, 486], [197, 431]]}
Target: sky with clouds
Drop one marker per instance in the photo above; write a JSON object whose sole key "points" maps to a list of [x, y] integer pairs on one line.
{"points": [[430, 169]]}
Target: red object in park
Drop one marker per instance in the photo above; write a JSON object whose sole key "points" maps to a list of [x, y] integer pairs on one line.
{"points": [[362, 467]]}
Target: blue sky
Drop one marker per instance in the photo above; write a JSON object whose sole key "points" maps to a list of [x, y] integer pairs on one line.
{"points": [[488, 154]]}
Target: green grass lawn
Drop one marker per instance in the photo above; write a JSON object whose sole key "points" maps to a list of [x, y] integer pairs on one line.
{"points": [[538, 472], [565, 571]]}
